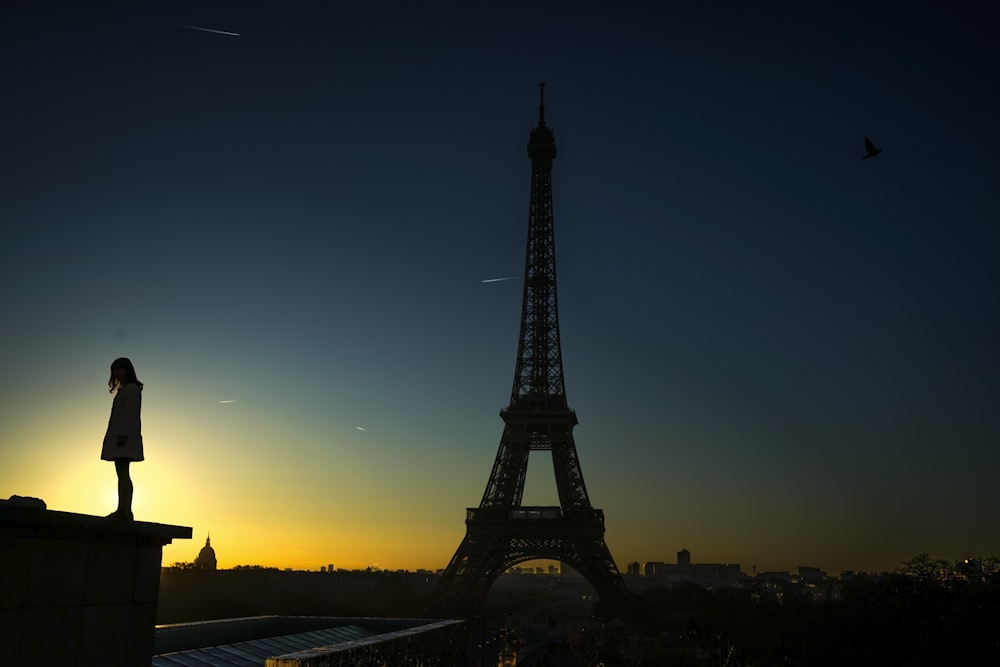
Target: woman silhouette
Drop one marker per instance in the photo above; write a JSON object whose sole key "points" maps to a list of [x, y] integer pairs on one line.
{"points": [[123, 441]]}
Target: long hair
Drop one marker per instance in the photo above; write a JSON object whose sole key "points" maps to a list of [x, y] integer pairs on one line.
{"points": [[125, 364]]}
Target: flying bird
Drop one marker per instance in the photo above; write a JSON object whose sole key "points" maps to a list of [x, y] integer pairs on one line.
{"points": [[217, 32], [870, 147], [361, 428]]}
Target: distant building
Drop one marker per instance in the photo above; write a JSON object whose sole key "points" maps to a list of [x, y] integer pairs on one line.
{"points": [[705, 574], [811, 574], [654, 568], [206, 557]]}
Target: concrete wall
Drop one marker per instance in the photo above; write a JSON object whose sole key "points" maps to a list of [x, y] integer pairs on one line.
{"points": [[78, 590]]}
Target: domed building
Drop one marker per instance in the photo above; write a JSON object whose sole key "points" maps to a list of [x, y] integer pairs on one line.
{"points": [[206, 557]]}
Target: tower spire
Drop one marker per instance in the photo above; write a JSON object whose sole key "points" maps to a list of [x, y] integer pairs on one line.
{"points": [[541, 104]]}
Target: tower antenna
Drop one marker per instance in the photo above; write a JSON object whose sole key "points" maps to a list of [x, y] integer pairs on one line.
{"points": [[541, 104]]}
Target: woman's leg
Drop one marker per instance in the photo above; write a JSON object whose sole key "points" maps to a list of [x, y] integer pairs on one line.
{"points": [[124, 489]]}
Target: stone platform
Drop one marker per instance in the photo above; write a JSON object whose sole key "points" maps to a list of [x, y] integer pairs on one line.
{"points": [[78, 590]]}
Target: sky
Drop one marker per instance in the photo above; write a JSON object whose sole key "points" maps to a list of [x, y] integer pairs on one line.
{"points": [[780, 354]]}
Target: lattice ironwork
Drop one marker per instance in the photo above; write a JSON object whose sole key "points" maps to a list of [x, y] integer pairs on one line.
{"points": [[502, 533]]}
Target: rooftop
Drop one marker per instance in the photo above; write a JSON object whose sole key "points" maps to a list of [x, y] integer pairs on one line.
{"points": [[289, 640]]}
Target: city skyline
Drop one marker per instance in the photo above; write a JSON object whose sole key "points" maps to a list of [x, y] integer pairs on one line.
{"points": [[303, 233], [546, 566]]}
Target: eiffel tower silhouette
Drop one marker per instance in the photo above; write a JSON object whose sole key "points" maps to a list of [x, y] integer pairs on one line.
{"points": [[502, 532]]}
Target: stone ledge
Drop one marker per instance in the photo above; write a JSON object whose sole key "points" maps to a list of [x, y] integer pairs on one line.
{"points": [[50, 524], [78, 590]]}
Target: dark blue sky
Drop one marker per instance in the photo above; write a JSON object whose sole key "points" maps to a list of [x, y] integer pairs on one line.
{"points": [[780, 354]]}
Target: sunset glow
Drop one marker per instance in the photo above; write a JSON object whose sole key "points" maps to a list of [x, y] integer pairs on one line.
{"points": [[308, 233]]}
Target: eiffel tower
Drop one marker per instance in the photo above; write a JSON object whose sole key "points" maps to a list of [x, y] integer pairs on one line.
{"points": [[502, 532]]}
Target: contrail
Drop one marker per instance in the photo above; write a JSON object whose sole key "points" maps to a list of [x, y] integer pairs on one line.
{"points": [[217, 32], [496, 280]]}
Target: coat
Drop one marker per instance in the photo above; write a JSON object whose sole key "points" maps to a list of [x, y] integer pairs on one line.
{"points": [[125, 420]]}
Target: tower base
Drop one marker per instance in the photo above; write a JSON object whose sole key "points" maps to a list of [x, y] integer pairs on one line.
{"points": [[499, 538]]}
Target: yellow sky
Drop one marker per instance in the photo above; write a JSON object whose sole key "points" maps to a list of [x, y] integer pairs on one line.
{"points": [[278, 491], [261, 506]]}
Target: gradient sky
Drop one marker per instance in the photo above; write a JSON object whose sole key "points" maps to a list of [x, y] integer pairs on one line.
{"points": [[779, 354]]}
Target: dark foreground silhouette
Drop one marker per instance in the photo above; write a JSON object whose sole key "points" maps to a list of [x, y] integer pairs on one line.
{"points": [[928, 612]]}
